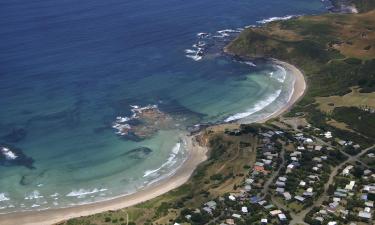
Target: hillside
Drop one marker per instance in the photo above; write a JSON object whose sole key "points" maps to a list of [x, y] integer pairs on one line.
{"points": [[336, 52]]}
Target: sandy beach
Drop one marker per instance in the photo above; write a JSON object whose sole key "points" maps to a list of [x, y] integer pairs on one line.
{"points": [[196, 155]]}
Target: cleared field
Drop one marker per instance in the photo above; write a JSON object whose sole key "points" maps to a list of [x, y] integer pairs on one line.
{"points": [[354, 98]]}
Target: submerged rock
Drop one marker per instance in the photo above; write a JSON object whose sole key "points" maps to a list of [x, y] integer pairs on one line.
{"points": [[138, 153], [10, 156], [143, 124]]}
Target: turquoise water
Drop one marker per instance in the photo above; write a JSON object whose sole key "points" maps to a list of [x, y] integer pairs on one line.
{"points": [[68, 69]]}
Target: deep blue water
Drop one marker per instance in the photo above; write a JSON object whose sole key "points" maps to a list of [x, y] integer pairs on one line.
{"points": [[68, 68]]}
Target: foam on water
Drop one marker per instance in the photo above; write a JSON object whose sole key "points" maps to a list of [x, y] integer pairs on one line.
{"points": [[169, 163], [3, 197], [277, 18], [257, 107], [82, 193], [279, 74]]}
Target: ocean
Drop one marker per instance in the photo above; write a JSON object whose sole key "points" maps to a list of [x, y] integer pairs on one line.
{"points": [[96, 96]]}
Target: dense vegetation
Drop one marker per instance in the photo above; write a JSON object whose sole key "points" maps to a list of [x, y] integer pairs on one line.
{"points": [[357, 119]]}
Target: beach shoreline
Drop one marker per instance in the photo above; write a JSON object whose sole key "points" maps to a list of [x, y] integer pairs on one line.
{"points": [[299, 89], [196, 155]]}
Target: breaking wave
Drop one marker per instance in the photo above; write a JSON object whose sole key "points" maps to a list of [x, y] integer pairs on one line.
{"points": [[277, 18], [169, 163], [257, 107]]}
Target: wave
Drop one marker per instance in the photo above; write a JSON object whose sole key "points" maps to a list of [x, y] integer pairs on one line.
{"points": [[8, 154], [170, 161], [190, 51], [257, 107], [277, 18], [280, 74], [194, 57], [34, 195], [81, 193], [3, 197]]}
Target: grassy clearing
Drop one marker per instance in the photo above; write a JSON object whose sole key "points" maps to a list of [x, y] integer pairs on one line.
{"points": [[354, 98]]}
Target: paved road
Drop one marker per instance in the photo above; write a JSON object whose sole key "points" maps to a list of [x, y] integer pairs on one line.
{"points": [[267, 184]]}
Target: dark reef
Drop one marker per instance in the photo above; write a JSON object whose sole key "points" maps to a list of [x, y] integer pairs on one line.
{"points": [[20, 160], [138, 153]]}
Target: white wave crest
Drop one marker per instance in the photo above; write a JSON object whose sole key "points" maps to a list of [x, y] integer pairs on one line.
{"points": [[170, 161], [279, 74], [3, 197], [257, 107], [9, 155], [190, 51], [276, 18], [194, 57], [81, 193], [33, 195]]}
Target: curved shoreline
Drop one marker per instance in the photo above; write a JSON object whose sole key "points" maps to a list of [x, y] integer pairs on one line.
{"points": [[196, 155], [299, 89]]}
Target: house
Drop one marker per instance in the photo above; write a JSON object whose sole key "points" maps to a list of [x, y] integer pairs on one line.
{"points": [[364, 215], [318, 147], [231, 197], [211, 204], [260, 169], [350, 186], [302, 183], [340, 194], [237, 216], [287, 196], [229, 221], [275, 212], [346, 170], [244, 209], [369, 204], [280, 184], [282, 217], [249, 181], [264, 221], [280, 190], [369, 188], [332, 223], [308, 194], [207, 209], [299, 198], [328, 134]]}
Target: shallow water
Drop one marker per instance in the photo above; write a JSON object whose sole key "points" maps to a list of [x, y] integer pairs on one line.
{"points": [[68, 69]]}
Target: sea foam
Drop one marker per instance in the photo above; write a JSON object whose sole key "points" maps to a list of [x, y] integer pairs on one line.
{"points": [[170, 161], [276, 18], [3, 197], [257, 107]]}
